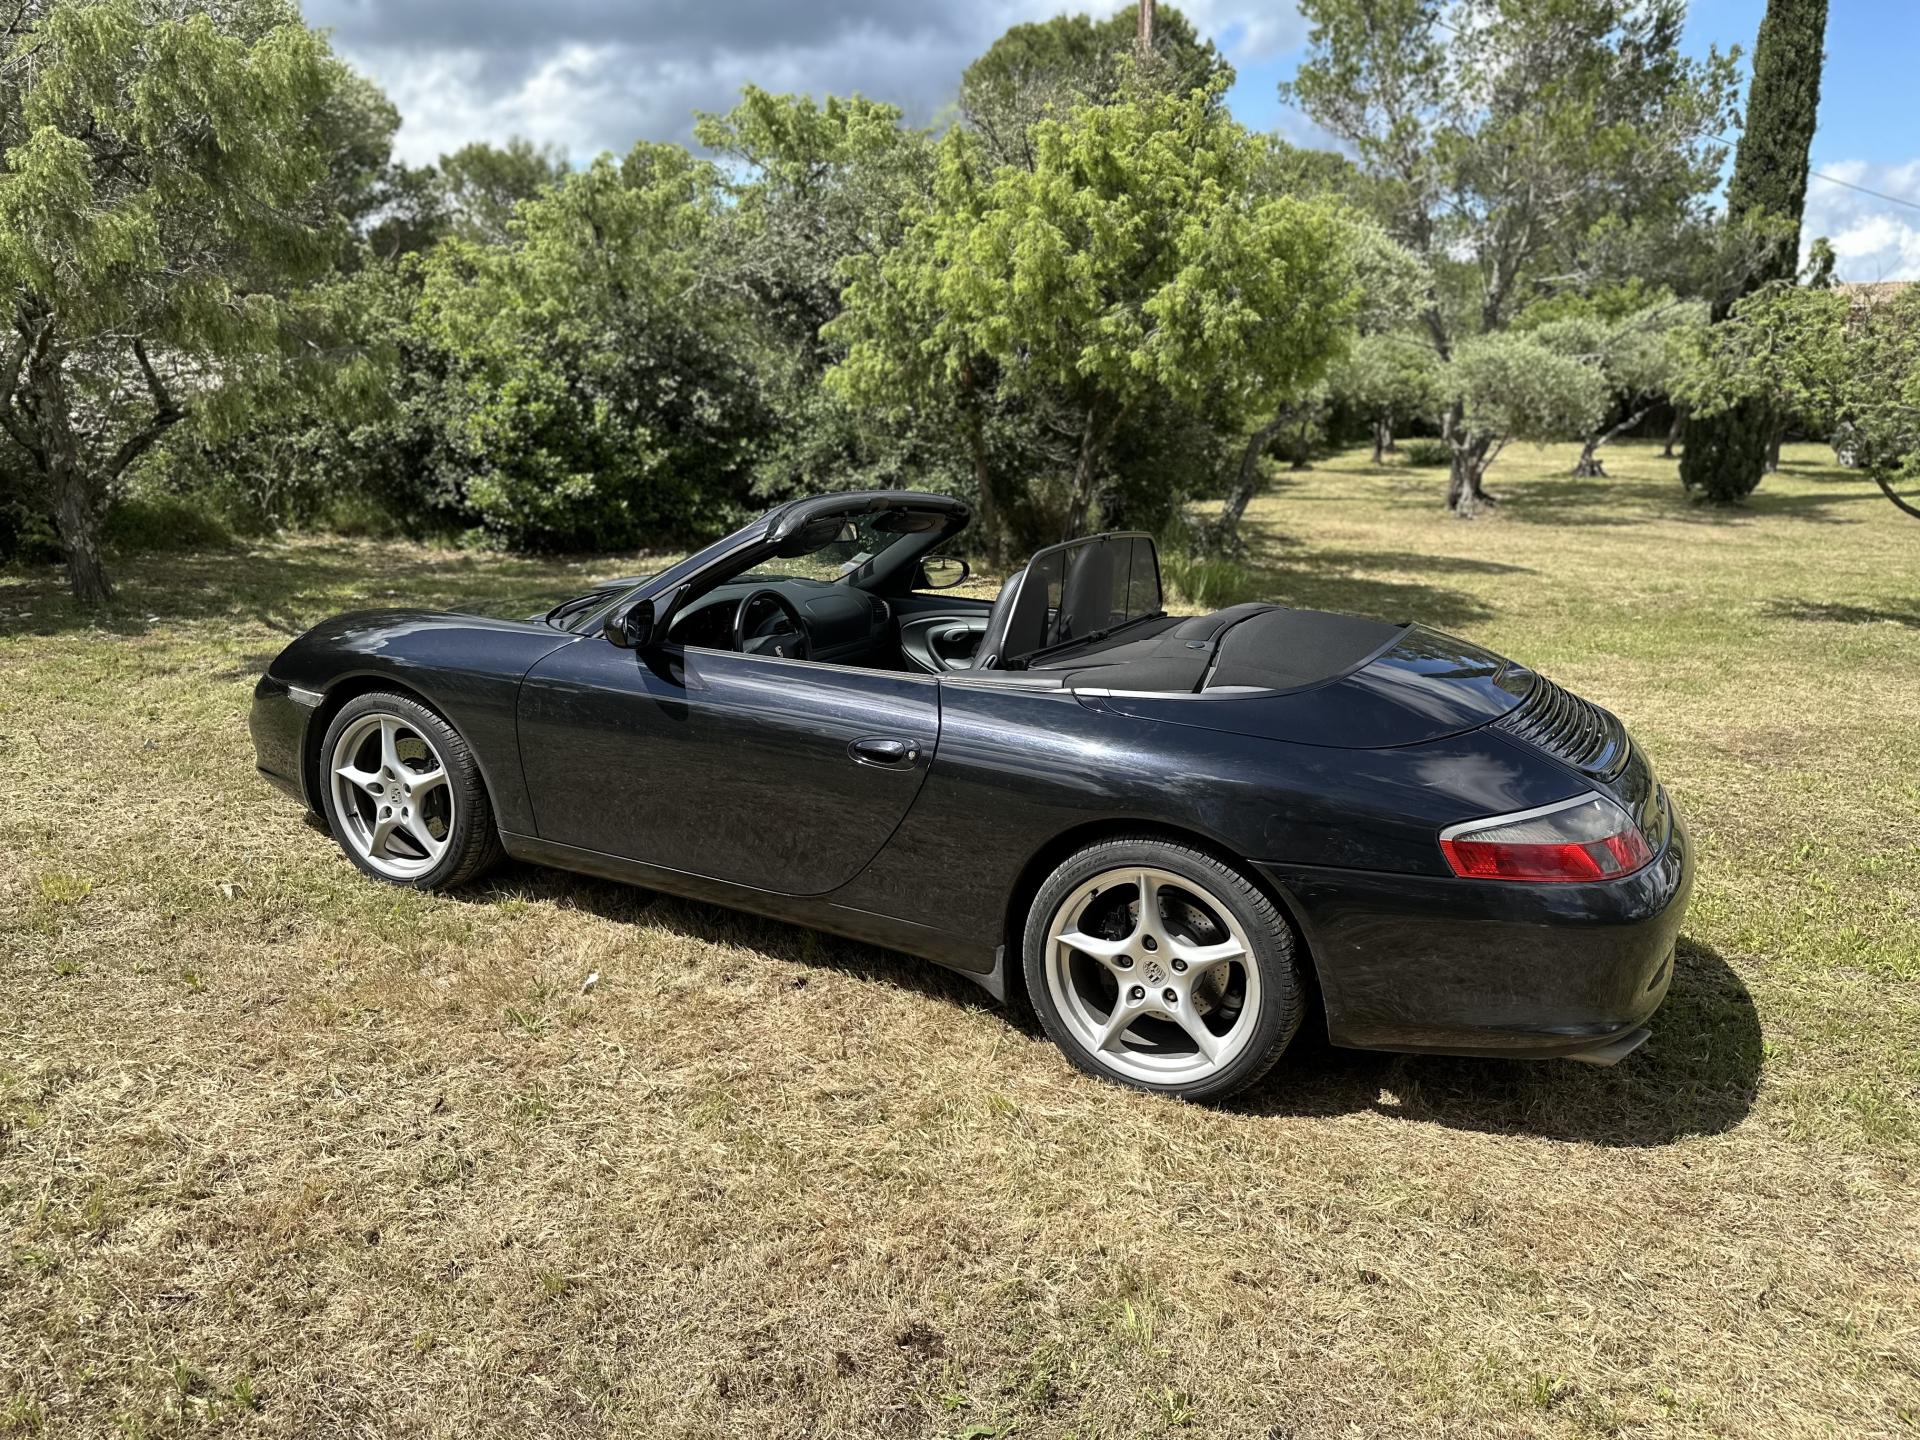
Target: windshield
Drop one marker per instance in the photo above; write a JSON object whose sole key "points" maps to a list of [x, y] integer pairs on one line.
{"points": [[835, 548], [844, 549]]}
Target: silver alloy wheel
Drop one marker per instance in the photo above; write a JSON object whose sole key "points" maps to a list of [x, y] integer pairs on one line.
{"points": [[392, 795], [1151, 972]]}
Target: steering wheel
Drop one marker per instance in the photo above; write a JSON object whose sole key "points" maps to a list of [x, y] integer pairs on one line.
{"points": [[790, 640]]}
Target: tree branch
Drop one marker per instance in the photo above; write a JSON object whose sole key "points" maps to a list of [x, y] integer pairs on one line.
{"points": [[166, 414], [10, 365]]}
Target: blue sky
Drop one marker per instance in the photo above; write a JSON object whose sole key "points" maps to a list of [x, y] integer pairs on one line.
{"points": [[589, 75]]}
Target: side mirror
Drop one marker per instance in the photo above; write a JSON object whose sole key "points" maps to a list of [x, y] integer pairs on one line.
{"points": [[943, 573], [630, 626]]}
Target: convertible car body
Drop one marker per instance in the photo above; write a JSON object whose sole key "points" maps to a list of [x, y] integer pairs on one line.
{"points": [[1176, 837]]}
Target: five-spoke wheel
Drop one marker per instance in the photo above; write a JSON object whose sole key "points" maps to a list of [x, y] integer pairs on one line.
{"points": [[1158, 965], [403, 795], [390, 790]]}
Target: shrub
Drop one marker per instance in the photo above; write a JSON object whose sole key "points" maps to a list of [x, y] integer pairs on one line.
{"points": [[26, 538], [1207, 582], [165, 522], [1427, 454]]}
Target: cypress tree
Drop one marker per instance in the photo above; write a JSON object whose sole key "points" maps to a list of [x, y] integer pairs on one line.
{"points": [[1727, 454]]}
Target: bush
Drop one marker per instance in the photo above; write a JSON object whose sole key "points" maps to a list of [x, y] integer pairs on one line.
{"points": [[165, 522], [1427, 454], [1206, 582], [26, 538]]}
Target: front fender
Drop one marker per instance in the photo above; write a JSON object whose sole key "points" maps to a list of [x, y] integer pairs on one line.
{"points": [[467, 667]]}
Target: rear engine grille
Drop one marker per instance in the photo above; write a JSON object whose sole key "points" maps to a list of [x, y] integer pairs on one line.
{"points": [[1569, 728]]}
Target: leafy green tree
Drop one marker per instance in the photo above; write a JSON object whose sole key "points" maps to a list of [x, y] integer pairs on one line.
{"points": [[807, 187], [1507, 387], [412, 214], [1130, 262], [1640, 357], [588, 402], [1848, 361], [357, 125], [1048, 67], [164, 176], [1389, 380], [1389, 283], [1514, 145], [483, 183], [1726, 453]]}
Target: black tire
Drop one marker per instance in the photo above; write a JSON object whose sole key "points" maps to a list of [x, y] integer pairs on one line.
{"points": [[473, 843], [1273, 950]]}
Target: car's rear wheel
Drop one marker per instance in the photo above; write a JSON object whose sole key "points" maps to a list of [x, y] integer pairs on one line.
{"points": [[1159, 966], [403, 794]]}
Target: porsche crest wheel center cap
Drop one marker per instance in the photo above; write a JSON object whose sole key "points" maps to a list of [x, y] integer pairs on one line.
{"points": [[1155, 975]]}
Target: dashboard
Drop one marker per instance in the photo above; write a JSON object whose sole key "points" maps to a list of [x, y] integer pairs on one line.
{"points": [[843, 623]]}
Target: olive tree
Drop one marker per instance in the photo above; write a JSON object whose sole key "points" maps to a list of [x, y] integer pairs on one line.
{"points": [[1510, 387], [164, 176], [1389, 380], [1850, 360], [1511, 144], [1640, 358]]}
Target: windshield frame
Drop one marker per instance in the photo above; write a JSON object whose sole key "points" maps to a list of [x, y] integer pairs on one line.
{"points": [[720, 562]]}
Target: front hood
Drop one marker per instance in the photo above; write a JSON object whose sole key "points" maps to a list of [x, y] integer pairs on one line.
{"points": [[370, 631], [1421, 686], [438, 647]]}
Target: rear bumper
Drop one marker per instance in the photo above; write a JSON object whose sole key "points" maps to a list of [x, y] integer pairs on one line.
{"points": [[1463, 967]]}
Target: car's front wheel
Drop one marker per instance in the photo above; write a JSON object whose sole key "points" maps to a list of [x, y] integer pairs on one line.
{"points": [[1159, 966], [403, 794]]}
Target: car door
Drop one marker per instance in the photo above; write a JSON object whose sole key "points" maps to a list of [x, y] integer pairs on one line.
{"points": [[781, 774]]}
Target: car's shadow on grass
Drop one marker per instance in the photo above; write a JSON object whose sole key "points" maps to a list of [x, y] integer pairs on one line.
{"points": [[1697, 1076], [718, 925]]}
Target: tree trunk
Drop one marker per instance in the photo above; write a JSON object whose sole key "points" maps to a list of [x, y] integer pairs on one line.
{"points": [[1302, 457], [1246, 483], [78, 527], [992, 547], [1773, 451], [1588, 466], [71, 493], [1675, 431], [1080, 502], [1465, 491], [1382, 439]]}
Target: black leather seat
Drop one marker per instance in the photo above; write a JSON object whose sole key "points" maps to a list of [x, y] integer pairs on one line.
{"points": [[1016, 626]]}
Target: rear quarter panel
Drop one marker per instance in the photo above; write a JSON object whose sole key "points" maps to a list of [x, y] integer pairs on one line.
{"points": [[1016, 770]]}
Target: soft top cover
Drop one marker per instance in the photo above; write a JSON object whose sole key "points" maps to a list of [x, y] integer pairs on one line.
{"points": [[1244, 647]]}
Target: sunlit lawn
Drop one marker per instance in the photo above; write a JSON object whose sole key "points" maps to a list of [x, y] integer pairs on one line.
{"points": [[286, 1152]]}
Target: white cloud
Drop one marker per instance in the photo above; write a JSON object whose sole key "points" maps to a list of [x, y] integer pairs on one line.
{"points": [[1873, 239], [590, 75]]}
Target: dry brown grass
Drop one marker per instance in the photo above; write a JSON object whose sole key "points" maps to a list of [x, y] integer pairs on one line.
{"points": [[285, 1152]]}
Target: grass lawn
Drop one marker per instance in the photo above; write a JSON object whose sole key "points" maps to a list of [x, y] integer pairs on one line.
{"points": [[286, 1152]]}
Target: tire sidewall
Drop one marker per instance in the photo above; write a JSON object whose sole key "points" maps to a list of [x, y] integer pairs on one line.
{"points": [[1282, 993], [463, 773]]}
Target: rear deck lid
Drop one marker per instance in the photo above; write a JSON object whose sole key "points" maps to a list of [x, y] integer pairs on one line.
{"points": [[1413, 685]]}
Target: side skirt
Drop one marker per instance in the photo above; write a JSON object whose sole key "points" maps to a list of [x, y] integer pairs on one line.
{"points": [[981, 963]]}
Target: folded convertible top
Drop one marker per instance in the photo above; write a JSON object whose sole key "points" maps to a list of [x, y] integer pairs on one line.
{"points": [[1264, 647]]}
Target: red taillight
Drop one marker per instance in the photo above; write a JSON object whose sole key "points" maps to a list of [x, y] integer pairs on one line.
{"points": [[1586, 838]]}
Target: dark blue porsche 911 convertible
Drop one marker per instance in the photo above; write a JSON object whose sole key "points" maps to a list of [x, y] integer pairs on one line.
{"points": [[1174, 837]]}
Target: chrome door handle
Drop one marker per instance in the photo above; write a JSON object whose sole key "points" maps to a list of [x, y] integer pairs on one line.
{"points": [[882, 750]]}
